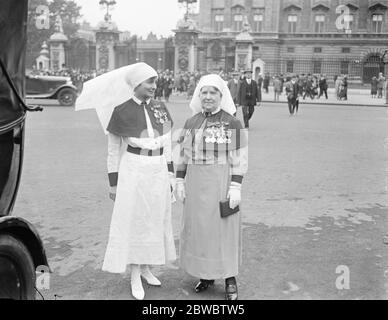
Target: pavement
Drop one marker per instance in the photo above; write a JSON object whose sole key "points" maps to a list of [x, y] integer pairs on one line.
{"points": [[314, 205], [356, 97]]}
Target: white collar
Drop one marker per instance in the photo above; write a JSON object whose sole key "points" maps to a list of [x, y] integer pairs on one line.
{"points": [[139, 102], [215, 111]]}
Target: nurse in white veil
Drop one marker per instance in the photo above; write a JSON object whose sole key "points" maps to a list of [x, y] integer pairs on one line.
{"points": [[212, 163], [140, 171]]}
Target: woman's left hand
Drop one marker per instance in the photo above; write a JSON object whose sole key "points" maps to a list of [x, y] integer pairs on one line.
{"points": [[234, 196], [172, 182]]}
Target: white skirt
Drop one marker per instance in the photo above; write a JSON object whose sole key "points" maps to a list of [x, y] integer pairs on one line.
{"points": [[141, 227]]}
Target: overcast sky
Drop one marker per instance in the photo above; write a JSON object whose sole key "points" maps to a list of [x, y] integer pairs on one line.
{"points": [[137, 16]]}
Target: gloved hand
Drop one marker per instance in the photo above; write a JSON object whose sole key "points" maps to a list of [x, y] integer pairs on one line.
{"points": [[180, 189], [234, 195], [112, 193], [172, 181]]}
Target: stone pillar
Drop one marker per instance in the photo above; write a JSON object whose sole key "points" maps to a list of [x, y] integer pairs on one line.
{"points": [[160, 61], [57, 55], [244, 52], [186, 50], [105, 49], [58, 42]]}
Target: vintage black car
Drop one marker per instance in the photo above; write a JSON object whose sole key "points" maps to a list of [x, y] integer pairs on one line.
{"points": [[51, 87], [21, 249]]}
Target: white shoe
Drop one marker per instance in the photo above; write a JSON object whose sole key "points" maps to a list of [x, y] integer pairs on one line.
{"points": [[138, 292], [150, 278], [136, 286]]}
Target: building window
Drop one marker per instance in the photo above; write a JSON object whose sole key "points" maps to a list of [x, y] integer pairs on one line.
{"points": [[317, 66], [290, 49], [344, 67], [290, 66], [377, 23], [218, 22], [258, 22], [319, 23], [345, 50], [292, 21], [317, 50], [237, 22], [216, 51]]}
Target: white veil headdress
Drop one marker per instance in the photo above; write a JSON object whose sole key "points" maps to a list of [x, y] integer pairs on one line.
{"points": [[111, 89], [216, 81]]}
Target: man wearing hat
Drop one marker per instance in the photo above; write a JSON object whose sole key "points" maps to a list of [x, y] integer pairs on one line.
{"points": [[292, 91], [248, 96], [234, 86]]}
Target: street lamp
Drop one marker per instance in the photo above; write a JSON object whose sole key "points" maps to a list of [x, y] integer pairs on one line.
{"points": [[187, 4], [109, 4]]}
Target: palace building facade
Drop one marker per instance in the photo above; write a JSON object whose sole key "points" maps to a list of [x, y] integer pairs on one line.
{"points": [[294, 36]]}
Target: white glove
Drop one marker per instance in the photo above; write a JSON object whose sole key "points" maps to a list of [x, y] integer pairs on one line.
{"points": [[112, 193], [180, 189], [234, 195], [172, 181]]}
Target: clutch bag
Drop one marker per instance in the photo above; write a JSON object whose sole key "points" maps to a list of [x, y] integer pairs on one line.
{"points": [[227, 211]]}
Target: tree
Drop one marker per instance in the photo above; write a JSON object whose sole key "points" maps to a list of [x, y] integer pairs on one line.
{"points": [[69, 12]]}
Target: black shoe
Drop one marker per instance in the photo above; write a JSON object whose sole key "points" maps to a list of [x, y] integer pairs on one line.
{"points": [[203, 285], [231, 292]]}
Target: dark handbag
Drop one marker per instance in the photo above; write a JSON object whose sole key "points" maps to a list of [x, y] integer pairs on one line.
{"points": [[227, 211]]}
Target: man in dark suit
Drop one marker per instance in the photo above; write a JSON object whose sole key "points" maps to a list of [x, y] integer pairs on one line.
{"points": [[323, 86], [292, 91], [248, 96], [309, 88], [234, 87]]}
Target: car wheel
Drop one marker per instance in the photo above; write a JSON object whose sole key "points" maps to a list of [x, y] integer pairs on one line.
{"points": [[17, 272], [67, 97]]}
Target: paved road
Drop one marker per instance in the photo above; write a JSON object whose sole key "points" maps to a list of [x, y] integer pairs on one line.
{"points": [[315, 198]]}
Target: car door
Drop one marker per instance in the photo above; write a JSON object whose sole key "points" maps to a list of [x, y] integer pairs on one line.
{"points": [[34, 86]]}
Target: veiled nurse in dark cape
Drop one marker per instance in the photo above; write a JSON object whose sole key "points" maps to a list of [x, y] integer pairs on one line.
{"points": [[140, 171]]}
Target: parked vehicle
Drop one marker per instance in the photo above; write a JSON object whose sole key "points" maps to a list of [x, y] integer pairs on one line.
{"points": [[51, 87], [21, 249]]}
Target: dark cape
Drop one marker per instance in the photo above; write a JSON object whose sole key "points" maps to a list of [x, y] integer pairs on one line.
{"points": [[128, 119]]}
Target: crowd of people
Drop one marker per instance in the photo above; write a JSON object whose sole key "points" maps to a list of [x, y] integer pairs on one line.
{"points": [[309, 85], [78, 77], [183, 83]]}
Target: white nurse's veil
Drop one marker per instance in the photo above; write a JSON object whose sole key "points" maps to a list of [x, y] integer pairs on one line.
{"points": [[216, 81], [111, 89]]}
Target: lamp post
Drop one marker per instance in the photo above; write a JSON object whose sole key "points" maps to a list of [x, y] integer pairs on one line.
{"points": [[187, 4], [109, 4]]}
